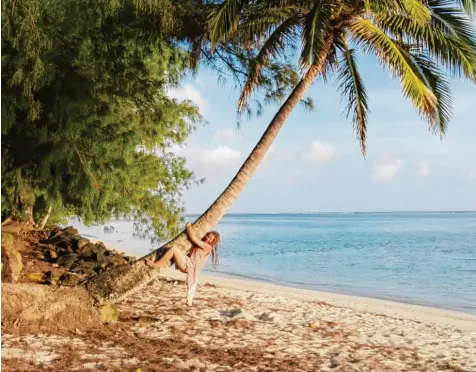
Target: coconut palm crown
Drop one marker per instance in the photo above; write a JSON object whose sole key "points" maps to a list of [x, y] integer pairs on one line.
{"points": [[420, 42]]}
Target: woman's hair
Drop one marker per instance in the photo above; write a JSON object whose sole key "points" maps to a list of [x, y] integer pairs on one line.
{"points": [[215, 244]]}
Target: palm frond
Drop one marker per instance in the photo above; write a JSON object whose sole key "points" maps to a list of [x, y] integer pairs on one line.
{"points": [[469, 6], [316, 27], [258, 22], [413, 8], [449, 38], [398, 60], [274, 46], [441, 89], [353, 91], [224, 21]]}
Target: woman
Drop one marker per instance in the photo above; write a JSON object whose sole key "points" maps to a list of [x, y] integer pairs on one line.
{"points": [[194, 262]]}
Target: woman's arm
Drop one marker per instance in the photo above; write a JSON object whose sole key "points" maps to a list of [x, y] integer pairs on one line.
{"points": [[195, 239]]}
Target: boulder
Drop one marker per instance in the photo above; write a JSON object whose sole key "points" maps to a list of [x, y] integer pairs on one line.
{"points": [[67, 260], [52, 277], [101, 247], [11, 264], [69, 279], [36, 277], [66, 244], [130, 259], [81, 243], [88, 252], [70, 230], [118, 260], [51, 255], [84, 267]]}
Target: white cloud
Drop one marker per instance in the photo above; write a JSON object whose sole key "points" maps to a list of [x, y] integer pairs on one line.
{"points": [[188, 91], [222, 155], [321, 153], [226, 135], [423, 170], [384, 173]]}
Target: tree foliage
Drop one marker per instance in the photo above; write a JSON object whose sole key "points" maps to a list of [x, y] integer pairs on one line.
{"points": [[86, 121], [419, 42]]}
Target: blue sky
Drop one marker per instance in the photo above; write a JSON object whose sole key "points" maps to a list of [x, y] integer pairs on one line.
{"points": [[315, 164]]}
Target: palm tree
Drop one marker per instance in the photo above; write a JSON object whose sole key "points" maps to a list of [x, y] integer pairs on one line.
{"points": [[420, 42]]}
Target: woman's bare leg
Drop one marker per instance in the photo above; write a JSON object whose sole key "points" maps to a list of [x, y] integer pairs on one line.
{"points": [[177, 255], [191, 293]]}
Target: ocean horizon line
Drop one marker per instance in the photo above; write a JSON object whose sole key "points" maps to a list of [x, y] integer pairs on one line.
{"points": [[323, 213]]}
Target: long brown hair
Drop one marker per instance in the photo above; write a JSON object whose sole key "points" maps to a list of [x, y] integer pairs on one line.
{"points": [[215, 246]]}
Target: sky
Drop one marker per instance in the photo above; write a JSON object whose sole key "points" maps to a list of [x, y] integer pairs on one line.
{"points": [[315, 164]]}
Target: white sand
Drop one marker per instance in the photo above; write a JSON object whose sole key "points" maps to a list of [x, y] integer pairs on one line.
{"points": [[372, 305], [244, 325]]}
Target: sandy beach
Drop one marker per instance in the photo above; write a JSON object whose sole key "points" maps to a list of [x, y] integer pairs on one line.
{"points": [[244, 325]]}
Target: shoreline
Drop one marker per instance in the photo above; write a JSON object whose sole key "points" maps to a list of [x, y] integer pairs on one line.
{"points": [[371, 305], [343, 292], [374, 305]]}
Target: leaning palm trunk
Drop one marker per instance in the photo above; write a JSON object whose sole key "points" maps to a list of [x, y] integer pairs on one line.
{"points": [[117, 283]]}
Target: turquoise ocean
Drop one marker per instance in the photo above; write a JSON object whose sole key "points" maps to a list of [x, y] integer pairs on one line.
{"points": [[421, 258]]}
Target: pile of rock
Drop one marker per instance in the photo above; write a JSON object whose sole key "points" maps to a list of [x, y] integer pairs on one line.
{"points": [[79, 258]]}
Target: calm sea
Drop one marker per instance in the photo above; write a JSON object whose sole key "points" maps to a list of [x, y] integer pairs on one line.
{"points": [[421, 258]]}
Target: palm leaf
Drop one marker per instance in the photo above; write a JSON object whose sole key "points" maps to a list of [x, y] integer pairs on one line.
{"points": [[274, 46], [316, 27], [413, 8], [441, 89], [469, 6], [448, 38], [258, 22], [353, 90], [398, 60], [224, 21]]}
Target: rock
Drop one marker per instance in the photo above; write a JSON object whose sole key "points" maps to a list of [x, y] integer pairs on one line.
{"points": [[51, 255], [84, 267], [82, 242], [40, 256], [11, 264], [70, 279], [108, 313], [101, 247], [36, 277], [88, 252], [54, 231], [130, 258], [52, 275], [118, 260], [67, 260], [55, 265], [70, 230], [66, 244]]}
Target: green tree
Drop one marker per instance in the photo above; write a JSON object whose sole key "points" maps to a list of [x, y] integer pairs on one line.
{"points": [[86, 121], [420, 42]]}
